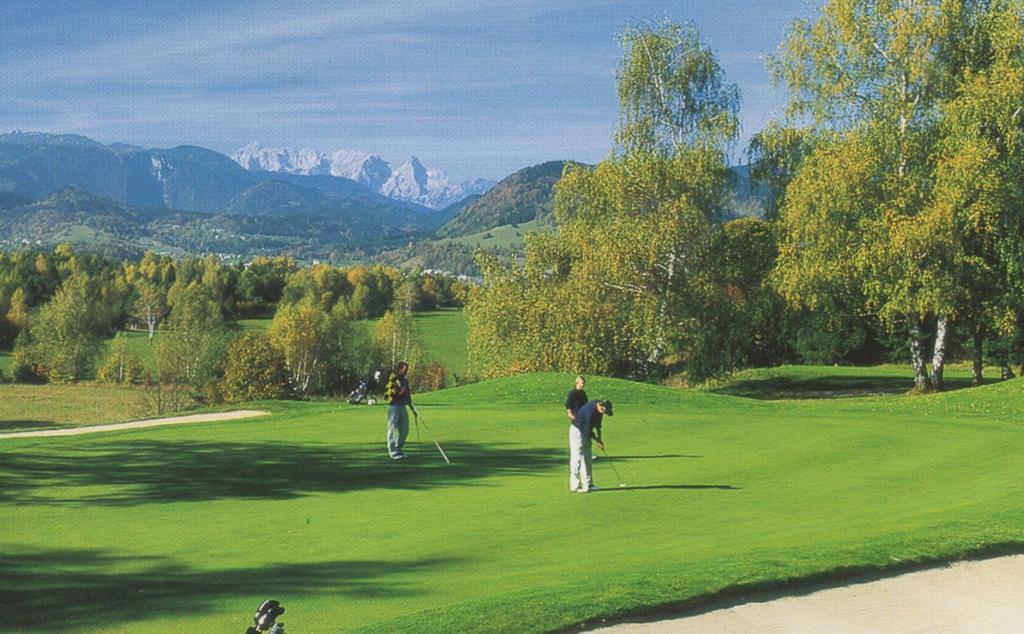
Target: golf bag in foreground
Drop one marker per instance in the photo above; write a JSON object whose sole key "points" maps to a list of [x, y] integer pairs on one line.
{"points": [[265, 618]]}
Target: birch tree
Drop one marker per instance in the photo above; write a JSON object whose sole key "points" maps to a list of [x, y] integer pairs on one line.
{"points": [[875, 74], [620, 286]]}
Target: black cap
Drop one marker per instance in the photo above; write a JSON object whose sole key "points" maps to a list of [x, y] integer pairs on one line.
{"points": [[607, 408]]}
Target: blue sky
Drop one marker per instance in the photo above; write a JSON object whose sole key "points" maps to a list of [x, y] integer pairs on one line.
{"points": [[479, 89]]}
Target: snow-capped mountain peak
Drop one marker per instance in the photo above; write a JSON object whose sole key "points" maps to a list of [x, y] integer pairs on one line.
{"points": [[256, 157], [408, 181], [368, 169], [411, 181]]}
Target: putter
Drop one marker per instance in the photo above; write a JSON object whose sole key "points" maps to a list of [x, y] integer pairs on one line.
{"points": [[436, 444], [612, 465]]}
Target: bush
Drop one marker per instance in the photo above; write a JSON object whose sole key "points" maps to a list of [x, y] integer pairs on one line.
{"points": [[25, 368], [121, 366], [254, 370], [433, 377]]}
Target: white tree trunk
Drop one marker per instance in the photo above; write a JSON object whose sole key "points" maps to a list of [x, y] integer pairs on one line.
{"points": [[917, 354], [659, 333], [939, 352]]}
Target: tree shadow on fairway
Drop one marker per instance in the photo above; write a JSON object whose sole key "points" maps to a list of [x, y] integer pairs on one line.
{"points": [[125, 473], [667, 455], [822, 387], [58, 590], [686, 487]]}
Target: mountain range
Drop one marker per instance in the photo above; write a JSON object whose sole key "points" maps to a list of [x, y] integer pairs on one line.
{"points": [[124, 199], [187, 199], [409, 182]]}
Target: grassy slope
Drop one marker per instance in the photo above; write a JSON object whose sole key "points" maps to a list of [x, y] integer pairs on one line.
{"points": [[443, 333], [189, 528], [42, 406], [505, 236]]}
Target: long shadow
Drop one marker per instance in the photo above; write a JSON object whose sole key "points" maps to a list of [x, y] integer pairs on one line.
{"points": [[667, 455], [136, 472], [840, 386], [687, 487], [29, 425], [59, 590]]}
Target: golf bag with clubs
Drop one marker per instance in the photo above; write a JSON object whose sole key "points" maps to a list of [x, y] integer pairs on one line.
{"points": [[367, 386], [266, 617]]}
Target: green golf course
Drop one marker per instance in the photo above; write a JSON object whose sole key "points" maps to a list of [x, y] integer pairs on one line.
{"points": [[189, 528]]}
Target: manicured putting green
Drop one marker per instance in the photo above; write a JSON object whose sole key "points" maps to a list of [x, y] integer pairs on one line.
{"points": [[189, 528]]}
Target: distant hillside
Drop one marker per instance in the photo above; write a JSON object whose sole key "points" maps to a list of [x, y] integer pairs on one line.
{"points": [[263, 221], [191, 178], [521, 197], [80, 218], [528, 194]]}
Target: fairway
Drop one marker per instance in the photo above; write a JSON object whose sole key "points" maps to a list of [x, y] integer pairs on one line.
{"points": [[190, 528]]}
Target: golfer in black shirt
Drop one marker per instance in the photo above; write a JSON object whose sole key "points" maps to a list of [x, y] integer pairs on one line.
{"points": [[576, 399]]}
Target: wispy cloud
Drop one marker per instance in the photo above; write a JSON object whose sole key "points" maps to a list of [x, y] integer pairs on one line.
{"points": [[495, 83]]}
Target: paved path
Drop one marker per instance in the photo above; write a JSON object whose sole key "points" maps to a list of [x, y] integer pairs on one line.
{"points": [[139, 424], [984, 596]]}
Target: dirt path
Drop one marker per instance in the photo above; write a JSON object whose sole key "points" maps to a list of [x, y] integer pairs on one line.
{"points": [[973, 596], [139, 424]]}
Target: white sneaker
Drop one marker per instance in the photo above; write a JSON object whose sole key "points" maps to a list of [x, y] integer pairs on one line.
{"points": [[594, 487]]}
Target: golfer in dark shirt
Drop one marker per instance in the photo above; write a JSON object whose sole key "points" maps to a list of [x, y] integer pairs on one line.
{"points": [[398, 418], [586, 426], [576, 399]]}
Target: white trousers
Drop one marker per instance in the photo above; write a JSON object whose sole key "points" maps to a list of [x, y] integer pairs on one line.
{"points": [[579, 460]]}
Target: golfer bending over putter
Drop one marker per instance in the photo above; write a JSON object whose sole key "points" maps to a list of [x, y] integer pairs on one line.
{"points": [[586, 426], [399, 397]]}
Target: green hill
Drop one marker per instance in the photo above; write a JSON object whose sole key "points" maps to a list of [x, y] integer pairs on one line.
{"points": [[189, 528], [521, 197]]}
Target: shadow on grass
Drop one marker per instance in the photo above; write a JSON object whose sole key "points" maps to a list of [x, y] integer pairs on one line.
{"points": [[667, 455], [59, 590], [126, 473], [686, 487], [29, 425], [840, 386]]}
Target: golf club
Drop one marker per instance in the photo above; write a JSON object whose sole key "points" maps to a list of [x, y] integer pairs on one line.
{"points": [[612, 465], [419, 419]]}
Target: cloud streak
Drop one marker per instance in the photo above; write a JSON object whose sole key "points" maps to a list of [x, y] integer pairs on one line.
{"points": [[361, 75]]}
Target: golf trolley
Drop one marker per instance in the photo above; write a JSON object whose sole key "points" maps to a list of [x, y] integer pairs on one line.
{"points": [[369, 384], [266, 617]]}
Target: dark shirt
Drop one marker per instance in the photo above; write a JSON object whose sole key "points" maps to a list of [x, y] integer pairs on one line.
{"points": [[575, 400], [402, 395], [588, 419]]}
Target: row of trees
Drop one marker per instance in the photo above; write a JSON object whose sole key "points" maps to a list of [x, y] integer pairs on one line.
{"points": [[142, 293], [896, 206], [313, 344]]}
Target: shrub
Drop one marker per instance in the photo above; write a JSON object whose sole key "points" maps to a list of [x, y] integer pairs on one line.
{"points": [[122, 365], [433, 377], [254, 370]]}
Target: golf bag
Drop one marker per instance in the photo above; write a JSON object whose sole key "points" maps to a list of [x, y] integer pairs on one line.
{"points": [[367, 386], [265, 618]]}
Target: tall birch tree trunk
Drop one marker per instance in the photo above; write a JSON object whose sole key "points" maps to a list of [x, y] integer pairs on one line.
{"points": [[939, 352], [917, 354]]}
